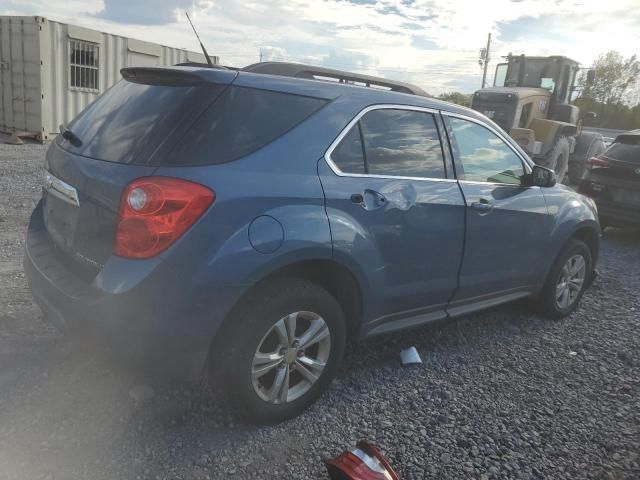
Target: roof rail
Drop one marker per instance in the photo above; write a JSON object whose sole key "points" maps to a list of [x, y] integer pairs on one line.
{"points": [[204, 65], [298, 70]]}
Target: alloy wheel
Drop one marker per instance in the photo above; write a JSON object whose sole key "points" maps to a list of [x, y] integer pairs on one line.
{"points": [[571, 281], [291, 357]]}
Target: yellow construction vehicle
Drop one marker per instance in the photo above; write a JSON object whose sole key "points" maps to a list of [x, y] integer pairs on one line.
{"points": [[530, 99]]}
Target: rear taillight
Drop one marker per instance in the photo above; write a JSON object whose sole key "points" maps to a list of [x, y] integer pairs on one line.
{"points": [[595, 162], [155, 212], [365, 462]]}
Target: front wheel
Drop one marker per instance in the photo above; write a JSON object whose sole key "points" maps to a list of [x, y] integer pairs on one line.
{"points": [[283, 350], [567, 280]]}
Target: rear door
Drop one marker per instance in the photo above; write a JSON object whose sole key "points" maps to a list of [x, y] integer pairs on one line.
{"points": [[393, 209], [113, 142], [508, 224]]}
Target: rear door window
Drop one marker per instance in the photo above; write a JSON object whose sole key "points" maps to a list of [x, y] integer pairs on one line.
{"points": [[240, 122], [130, 120], [392, 142]]}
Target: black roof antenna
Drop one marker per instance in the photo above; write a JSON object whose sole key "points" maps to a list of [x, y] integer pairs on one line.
{"points": [[204, 50]]}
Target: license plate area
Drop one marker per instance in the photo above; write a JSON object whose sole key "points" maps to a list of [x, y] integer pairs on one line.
{"points": [[60, 220]]}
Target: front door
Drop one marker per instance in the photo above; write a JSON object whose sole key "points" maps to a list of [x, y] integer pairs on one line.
{"points": [[394, 212], [508, 223]]}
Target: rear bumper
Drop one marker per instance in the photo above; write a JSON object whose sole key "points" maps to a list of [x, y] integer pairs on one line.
{"points": [[145, 309], [610, 211], [617, 213]]}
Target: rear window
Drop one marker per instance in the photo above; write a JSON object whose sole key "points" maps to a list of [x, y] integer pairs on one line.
{"points": [[626, 149], [240, 122], [130, 121]]}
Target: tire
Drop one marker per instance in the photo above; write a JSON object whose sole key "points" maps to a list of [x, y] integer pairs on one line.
{"points": [[548, 302], [263, 326], [559, 158]]}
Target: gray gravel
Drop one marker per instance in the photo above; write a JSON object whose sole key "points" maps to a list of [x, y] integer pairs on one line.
{"points": [[502, 394]]}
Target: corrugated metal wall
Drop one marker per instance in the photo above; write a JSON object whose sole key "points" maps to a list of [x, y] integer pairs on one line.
{"points": [[36, 93], [20, 100], [114, 54]]}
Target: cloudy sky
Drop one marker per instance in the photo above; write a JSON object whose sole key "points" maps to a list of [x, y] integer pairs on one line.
{"points": [[432, 43]]}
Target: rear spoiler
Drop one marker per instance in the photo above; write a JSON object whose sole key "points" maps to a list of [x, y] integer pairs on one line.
{"points": [[178, 77]]}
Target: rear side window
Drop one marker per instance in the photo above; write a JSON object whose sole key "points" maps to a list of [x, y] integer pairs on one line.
{"points": [[626, 149], [403, 143], [349, 155], [128, 122], [240, 122]]}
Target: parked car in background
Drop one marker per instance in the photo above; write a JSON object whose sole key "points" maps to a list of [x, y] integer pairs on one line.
{"points": [[612, 179], [253, 221]]}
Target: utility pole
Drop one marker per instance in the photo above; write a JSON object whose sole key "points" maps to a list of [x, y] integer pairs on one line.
{"points": [[484, 59], [260, 55]]}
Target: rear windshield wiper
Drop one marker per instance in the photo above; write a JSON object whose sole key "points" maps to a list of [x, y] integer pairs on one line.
{"points": [[67, 134]]}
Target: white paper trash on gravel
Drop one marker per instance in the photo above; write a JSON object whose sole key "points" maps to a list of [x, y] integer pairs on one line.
{"points": [[410, 356]]}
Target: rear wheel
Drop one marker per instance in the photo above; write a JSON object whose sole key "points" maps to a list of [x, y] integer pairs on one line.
{"points": [[567, 280], [283, 351]]}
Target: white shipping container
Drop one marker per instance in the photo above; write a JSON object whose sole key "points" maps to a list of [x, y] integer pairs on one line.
{"points": [[50, 71]]}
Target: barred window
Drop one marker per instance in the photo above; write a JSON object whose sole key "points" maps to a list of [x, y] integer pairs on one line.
{"points": [[83, 65]]}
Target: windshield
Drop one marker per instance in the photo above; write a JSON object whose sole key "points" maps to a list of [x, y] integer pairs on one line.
{"points": [[538, 73]]}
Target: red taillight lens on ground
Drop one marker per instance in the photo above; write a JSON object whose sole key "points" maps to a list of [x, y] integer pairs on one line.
{"points": [[595, 162], [365, 462], [155, 212]]}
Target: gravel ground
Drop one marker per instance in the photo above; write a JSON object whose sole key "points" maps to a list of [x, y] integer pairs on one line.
{"points": [[502, 394]]}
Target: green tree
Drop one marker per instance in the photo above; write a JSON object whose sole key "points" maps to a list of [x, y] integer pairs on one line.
{"points": [[614, 93], [615, 79], [457, 98]]}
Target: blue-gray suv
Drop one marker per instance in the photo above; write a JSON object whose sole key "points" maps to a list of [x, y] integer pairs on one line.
{"points": [[251, 222]]}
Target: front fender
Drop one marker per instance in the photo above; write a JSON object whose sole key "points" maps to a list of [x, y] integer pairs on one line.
{"points": [[572, 212]]}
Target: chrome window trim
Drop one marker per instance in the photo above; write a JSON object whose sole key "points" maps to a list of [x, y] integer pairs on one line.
{"points": [[356, 119], [476, 182], [527, 163]]}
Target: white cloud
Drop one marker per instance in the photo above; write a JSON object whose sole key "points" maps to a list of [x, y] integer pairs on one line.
{"points": [[434, 44]]}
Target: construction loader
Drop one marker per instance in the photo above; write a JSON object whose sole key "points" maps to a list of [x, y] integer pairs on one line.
{"points": [[530, 99]]}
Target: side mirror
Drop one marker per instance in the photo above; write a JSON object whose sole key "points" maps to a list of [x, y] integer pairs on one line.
{"points": [[591, 76], [542, 177]]}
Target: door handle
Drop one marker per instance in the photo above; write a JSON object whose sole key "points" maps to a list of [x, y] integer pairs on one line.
{"points": [[483, 206]]}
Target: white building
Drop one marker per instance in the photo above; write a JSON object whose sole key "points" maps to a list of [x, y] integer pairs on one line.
{"points": [[50, 71]]}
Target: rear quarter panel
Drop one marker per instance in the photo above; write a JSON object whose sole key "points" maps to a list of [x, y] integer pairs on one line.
{"points": [[279, 181]]}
